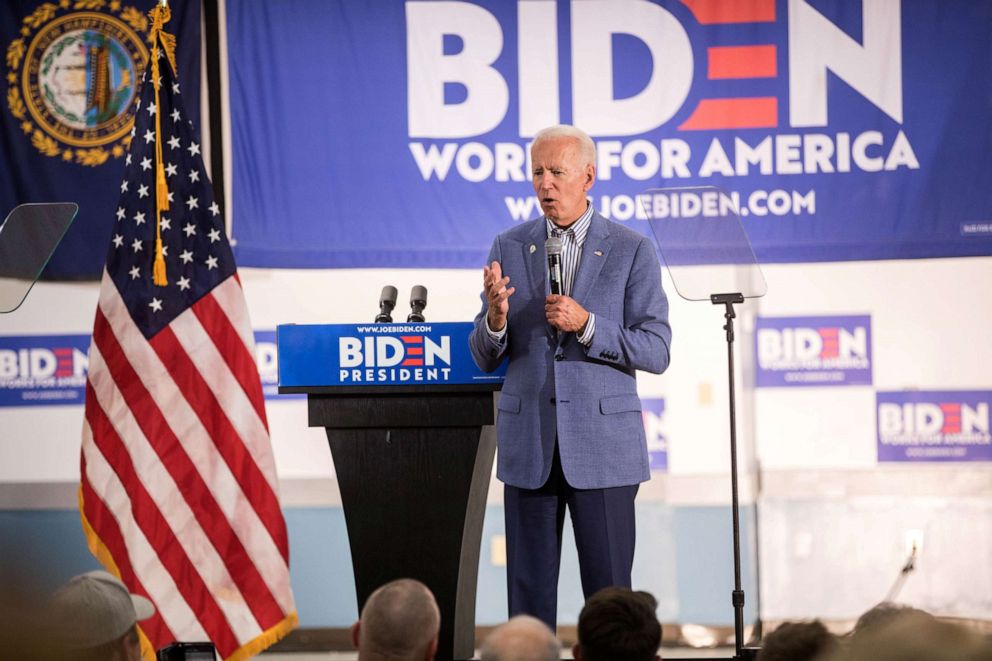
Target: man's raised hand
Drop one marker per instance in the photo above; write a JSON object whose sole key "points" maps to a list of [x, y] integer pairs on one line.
{"points": [[497, 293]]}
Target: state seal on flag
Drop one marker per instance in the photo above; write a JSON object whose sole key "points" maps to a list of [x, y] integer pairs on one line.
{"points": [[73, 78]]}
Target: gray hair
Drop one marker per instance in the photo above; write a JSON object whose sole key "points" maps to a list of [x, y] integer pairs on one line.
{"points": [[523, 638], [587, 148]]}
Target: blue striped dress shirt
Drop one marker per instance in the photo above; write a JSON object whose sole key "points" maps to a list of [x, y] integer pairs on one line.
{"points": [[572, 239]]}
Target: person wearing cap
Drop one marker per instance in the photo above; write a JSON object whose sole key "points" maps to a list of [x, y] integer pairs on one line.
{"points": [[94, 618]]}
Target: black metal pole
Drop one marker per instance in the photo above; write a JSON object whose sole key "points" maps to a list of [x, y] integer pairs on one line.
{"points": [[737, 596]]}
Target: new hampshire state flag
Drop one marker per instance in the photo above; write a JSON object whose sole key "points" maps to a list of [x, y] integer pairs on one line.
{"points": [[67, 103]]}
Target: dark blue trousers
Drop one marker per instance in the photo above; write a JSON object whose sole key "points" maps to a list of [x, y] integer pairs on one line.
{"points": [[603, 522]]}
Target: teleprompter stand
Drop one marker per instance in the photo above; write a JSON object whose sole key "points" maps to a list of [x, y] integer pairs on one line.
{"points": [[737, 596], [708, 255], [28, 238]]}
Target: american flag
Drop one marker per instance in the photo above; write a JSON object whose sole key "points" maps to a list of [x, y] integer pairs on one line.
{"points": [[179, 492]]}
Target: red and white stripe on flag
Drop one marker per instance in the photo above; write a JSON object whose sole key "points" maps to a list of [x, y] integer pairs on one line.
{"points": [[179, 493]]}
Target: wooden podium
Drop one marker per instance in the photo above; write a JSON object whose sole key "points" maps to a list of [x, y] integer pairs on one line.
{"points": [[413, 463]]}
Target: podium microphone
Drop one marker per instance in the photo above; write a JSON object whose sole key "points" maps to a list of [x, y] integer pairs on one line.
{"points": [[387, 301], [418, 301], [553, 248]]}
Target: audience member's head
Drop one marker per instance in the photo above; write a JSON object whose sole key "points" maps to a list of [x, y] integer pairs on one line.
{"points": [[94, 618], [618, 624], [915, 636], [523, 638], [797, 641], [400, 622], [883, 614]]}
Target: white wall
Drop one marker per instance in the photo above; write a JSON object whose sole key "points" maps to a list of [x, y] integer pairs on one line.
{"points": [[829, 516]]}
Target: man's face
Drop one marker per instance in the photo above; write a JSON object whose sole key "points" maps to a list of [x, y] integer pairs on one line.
{"points": [[561, 179]]}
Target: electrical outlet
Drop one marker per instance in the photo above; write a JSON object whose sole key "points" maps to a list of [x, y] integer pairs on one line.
{"points": [[497, 550], [914, 542]]}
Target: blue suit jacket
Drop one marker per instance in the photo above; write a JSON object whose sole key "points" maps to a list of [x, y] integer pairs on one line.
{"points": [[557, 387]]}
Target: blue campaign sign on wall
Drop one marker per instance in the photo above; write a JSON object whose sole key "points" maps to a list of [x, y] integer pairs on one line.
{"points": [[813, 351], [378, 355], [934, 425], [653, 413], [395, 134], [43, 370], [267, 359], [47, 370]]}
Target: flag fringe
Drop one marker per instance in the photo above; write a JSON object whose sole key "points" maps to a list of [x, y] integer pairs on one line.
{"points": [[93, 541], [102, 553], [266, 639]]}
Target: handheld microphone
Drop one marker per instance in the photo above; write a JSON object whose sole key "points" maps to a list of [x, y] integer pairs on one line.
{"points": [[553, 248], [418, 301], [387, 301]]}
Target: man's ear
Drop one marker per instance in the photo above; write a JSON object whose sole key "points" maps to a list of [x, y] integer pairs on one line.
{"points": [[356, 630], [576, 652], [129, 648], [590, 176], [432, 650]]}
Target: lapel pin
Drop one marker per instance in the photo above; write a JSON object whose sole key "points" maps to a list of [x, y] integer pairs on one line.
{"points": [[598, 253], [533, 248]]}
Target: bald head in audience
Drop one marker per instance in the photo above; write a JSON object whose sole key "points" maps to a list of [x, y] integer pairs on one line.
{"points": [[523, 638], [400, 622]]}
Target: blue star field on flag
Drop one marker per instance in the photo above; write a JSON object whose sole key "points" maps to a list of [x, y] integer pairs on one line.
{"points": [[197, 254]]}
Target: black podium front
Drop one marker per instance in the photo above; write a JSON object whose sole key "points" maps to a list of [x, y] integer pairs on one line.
{"points": [[413, 465]]}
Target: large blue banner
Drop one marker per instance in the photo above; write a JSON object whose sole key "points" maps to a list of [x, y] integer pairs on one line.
{"points": [[395, 133], [71, 75]]}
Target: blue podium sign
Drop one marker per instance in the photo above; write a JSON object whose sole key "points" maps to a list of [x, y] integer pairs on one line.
{"points": [[358, 355]]}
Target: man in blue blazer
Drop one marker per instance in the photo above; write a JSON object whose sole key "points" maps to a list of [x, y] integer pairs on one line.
{"points": [[569, 426]]}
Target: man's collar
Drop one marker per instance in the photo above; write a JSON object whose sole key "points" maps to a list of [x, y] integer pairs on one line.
{"points": [[579, 226]]}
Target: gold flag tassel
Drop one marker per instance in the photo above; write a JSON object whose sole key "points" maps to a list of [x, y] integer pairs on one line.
{"points": [[160, 15]]}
